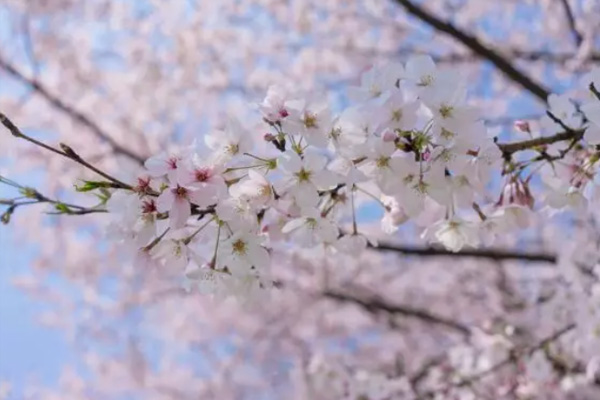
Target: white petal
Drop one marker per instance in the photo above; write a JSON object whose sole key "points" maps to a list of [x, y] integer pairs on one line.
{"points": [[179, 213]]}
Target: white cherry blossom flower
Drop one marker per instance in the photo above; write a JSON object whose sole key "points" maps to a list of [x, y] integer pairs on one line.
{"points": [[168, 163], [230, 142], [206, 179], [273, 106], [453, 234], [376, 82], [397, 113], [242, 254], [350, 130], [380, 166], [310, 119], [238, 212], [177, 200], [592, 112], [312, 229], [303, 177], [394, 215], [256, 189], [175, 253]]}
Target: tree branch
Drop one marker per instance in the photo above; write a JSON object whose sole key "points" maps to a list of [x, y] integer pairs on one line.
{"points": [[477, 47], [571, 134], [377, 305], [69, 111], [491, 254], [571, 21], [64, 151]]}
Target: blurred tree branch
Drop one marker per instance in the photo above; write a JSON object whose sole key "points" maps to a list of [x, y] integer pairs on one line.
{"points": [[491, 254], [376, 304], [69, 111], [571, 21], [477, 47]]}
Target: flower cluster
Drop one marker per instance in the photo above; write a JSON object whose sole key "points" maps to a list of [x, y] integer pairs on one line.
{"points": [[411, 142]]}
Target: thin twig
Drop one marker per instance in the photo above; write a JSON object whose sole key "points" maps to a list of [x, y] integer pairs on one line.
{"points": [[65, 151]]}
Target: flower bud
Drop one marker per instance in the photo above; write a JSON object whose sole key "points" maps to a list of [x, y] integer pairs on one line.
{"points": [[522, 126]]}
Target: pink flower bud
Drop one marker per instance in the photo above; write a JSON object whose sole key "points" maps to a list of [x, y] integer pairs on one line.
{"points": [[523, 126]]}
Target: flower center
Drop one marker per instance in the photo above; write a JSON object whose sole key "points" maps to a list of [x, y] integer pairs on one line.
{"points": [[335, 133], [446, 111], [310, 120], [312, 223], [232, 149], [239, 247], [382, 162], [172, 162], [446, 134], [303, 175], [143, 184], [426, 80], [202, 174], [265, 191], [421, 187], [375, 91], [148, 206], [180, 191]]}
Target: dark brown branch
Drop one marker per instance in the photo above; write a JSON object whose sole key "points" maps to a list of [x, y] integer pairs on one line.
{"points": [[491, 254], [69, 111], [477, 47], [571, 134], [571, 21], [522, 55], [378, 305], [64, 151]]}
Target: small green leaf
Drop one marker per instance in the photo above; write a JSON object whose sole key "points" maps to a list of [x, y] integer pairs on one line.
{"points": [[88, 186], [62, 208]]}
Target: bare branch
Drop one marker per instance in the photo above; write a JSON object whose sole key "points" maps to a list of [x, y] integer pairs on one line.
{"points": [[571, 134], [64, 151], [478, 48], [69, 111], [492, 254]]}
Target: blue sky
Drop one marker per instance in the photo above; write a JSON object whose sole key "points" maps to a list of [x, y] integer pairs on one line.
{"points": [[28, 350]]}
